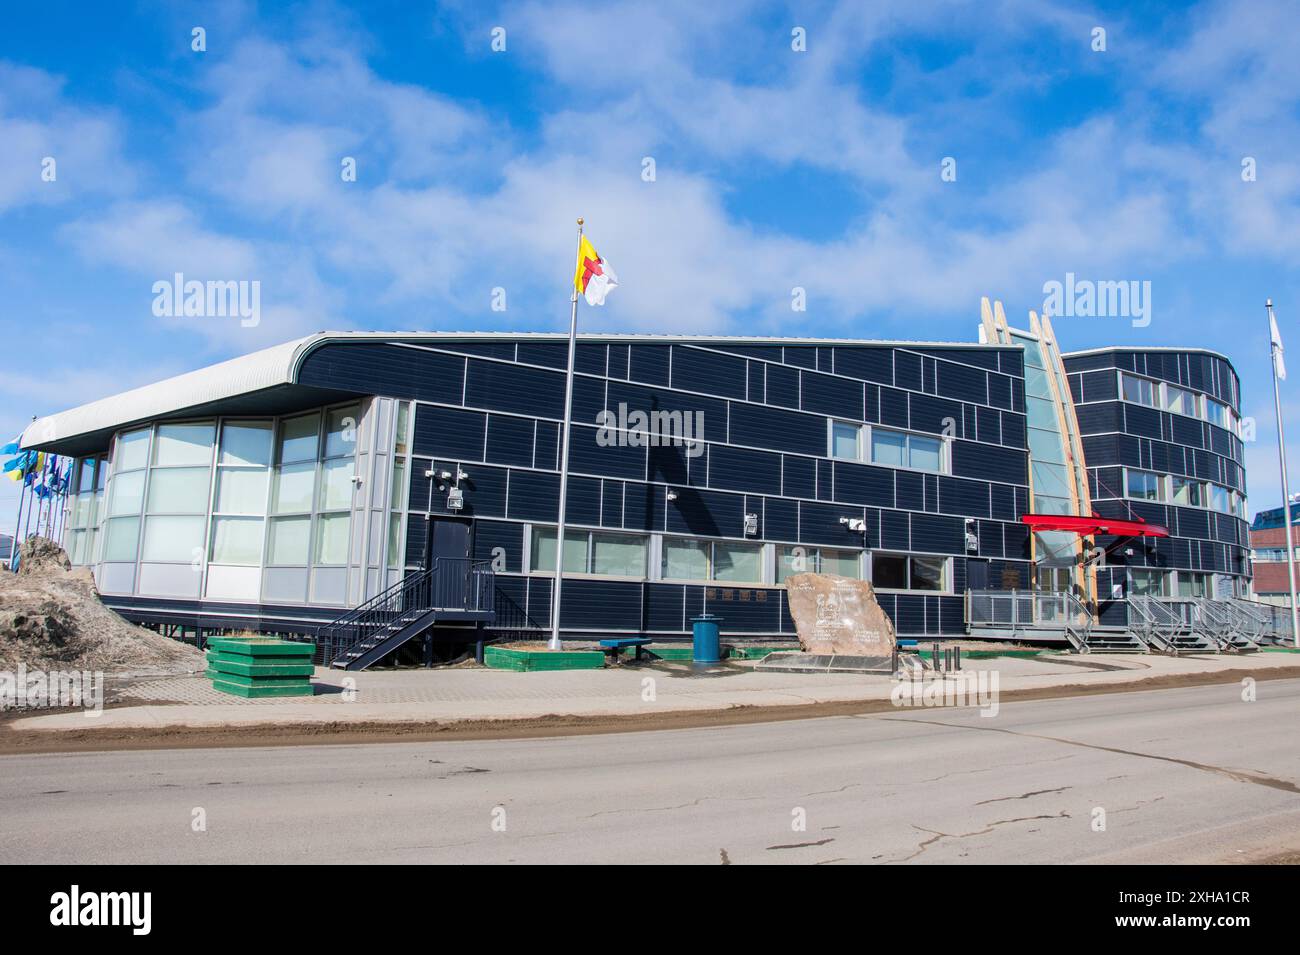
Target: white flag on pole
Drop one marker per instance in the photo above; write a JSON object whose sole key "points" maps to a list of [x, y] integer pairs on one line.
{"points": [[1278, 364]]}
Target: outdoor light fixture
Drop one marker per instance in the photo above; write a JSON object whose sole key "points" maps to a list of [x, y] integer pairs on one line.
{"points": [[972, 538], [854, 524], [670, 494], [751, 525], [455, 499]]}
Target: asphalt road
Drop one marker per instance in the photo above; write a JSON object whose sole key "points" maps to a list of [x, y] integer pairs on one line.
{"points": [[1187, 775]]}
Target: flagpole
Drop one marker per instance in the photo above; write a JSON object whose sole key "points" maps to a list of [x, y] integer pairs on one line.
{"points": [[554, 643], [1286, 487]]}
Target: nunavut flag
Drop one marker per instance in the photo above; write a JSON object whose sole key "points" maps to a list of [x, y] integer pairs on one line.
{"points": [[594, 278]]}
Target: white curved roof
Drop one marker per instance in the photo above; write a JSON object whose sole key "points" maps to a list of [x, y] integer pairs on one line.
{"points": [[253, 372]]}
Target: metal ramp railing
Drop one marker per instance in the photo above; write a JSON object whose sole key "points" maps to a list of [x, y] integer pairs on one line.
{"points": [[1030, 613], [1274, 620]]}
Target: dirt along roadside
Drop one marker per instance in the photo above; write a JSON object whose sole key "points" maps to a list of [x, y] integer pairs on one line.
{"points": [[14, 741]]}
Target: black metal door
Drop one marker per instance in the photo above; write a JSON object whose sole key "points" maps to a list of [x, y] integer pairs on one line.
{"points": [[977, 575], [449, 542]]}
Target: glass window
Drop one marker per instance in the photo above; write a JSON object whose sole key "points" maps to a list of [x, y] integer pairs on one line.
{"points": [[298, 438], [1216, 412], [246, 443], [293, 488], [178, 539], [395, 540], [341, 431], [843, 563], [122, 538], [1154, 583], [336, 484], [237, 540], [738, 562], [844, 440], [241, 491], [1143, 485], [86, 476], [889, 571], [178, 490], [332, 538], [543, 551], [925, 453], [617, 555], [928, 573], [1192, 585], [184, 444], [127, 493], [1220, 499], [289, 539], [685, 559], [403, 426], [1139, 390], [1187, 492], [132, 450], [888, 447], [1179, 400]]}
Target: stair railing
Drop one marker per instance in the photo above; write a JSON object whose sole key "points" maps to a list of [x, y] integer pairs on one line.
{"points": [[451, 583]]}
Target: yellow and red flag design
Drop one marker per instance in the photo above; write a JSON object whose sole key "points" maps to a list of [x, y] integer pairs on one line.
{"points": [[593, 278]]}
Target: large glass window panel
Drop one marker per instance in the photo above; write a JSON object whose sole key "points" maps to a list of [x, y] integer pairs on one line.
{"points": [[928, 573], [889, 571], [336, 484], [844, 440], [241, 491], [126, 493], [1187, 492], [738, 562], [1216, 412], [843, 563], [172, 538], [1220, 499], [341, 431], [122, 538], [925, 453], [1180, 400], [618, 555], [888, 447], [399, 485], [246, 443], [331, 545], [1191, 585], [1143, 485], [131, 451], [1139, 390], [298, 438], [403, 426], [1149, 582], [795, 560], [290, 539], [685, 559], [178, 490], [183, 444], [86, 476], [237, 540], [294, 484], [543, 551], [395, 540]]}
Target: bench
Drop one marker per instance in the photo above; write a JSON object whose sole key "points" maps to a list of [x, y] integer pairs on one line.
{"points": [[613, 646]]}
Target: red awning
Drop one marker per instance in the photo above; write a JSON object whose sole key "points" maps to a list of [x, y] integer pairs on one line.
{"points": [[1088, 526]]}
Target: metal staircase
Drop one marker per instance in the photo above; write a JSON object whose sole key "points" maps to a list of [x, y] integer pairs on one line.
{"points": [[452, 590], [1227, 625], [1170, 626]]}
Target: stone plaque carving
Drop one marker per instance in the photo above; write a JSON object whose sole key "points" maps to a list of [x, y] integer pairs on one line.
{"points": [[838, 615]]}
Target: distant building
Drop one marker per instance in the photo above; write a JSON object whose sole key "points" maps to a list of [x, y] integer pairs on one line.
{"points": [[6, 548], [1268, 553]]}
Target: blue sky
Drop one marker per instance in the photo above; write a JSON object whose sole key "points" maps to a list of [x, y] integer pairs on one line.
{"points": [[774, 169]]}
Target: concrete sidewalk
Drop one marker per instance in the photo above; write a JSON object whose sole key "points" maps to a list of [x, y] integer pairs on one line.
{"points": [[475, 694]]}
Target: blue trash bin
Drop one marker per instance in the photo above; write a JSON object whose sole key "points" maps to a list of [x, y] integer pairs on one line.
{"points": [[707, 637]]}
